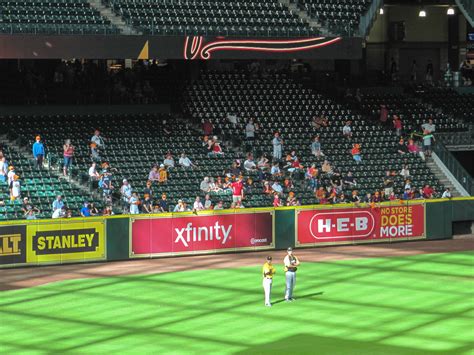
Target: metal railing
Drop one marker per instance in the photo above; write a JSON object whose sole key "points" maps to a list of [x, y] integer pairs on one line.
{"points": [[368, 18], [458, 171]]}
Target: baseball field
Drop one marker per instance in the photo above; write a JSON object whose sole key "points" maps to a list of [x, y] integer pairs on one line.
{"points": [[406, 304]]}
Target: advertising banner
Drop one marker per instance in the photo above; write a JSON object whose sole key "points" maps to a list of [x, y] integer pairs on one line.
{"points": [[65, 241], [12, 245], [360, 224], [201, 233]]}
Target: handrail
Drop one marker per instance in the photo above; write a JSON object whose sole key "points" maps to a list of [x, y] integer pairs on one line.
{"points": [[367, 19], [467, 8], [458, 171]]}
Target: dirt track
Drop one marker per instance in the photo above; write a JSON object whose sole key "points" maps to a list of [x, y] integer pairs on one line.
{"points": [[11, 279]]}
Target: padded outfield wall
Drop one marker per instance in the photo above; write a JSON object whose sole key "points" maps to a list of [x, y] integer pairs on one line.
{"points": [[76, 240]]}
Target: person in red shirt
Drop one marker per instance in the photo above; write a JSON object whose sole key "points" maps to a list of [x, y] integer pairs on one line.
{"points": [[207, 128], [397, 124], [276, 200], [237, 190], [383, 114], [427, 191]]}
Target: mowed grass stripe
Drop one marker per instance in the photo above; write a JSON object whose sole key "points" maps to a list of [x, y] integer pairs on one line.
{"points": [[378, 305]]}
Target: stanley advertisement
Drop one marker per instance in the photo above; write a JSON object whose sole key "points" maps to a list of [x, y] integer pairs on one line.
{"points": [[57, 242], [12, 245]]}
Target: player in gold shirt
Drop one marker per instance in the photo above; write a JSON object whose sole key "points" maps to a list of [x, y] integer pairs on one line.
{"points": [[268, 272]]}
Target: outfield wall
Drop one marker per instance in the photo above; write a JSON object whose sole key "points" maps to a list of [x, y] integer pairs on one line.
{"points": [[50, 242]]}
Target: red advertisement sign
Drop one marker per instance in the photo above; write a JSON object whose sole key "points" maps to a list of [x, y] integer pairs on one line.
{"points": [[202, 233], [359, 224]]}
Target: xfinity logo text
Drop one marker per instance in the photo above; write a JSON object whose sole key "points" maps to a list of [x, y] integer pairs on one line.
{"points": [[196, 234]]}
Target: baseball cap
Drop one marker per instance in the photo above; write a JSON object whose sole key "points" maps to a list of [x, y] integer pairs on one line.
{"points": [[289, 249], [269, 258], [124, 180]]}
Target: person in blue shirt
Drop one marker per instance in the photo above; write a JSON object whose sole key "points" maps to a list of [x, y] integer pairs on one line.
{"points": [[85, 210], [38, 152]]}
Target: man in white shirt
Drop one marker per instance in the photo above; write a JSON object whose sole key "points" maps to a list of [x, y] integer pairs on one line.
{"points": [[291, 263], [93, 174], [347, 130], [429, 127], [59, 213], [197, 206], [446, 193], [98, 140], [249, 164], [250, 130], [277, 187], [185, 162]]}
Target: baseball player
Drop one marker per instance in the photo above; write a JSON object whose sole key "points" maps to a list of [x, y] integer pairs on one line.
{"points": [[291, 262], [268, 272]]}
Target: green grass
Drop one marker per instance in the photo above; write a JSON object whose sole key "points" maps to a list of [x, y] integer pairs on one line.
{"points": [[409, 305]]}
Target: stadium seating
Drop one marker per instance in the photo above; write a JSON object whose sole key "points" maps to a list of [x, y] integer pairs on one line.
{"points": [[412, 112], [52, 17], [211, 17], [40, 186], [339, 16], [135, 142]]}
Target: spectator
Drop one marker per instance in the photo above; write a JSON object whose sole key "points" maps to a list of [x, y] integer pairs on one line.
{"points": [[220, 205], [291, 199], [447, 193], [249, 164], [277, 187], [401, 147], [126, 193], [237, 190], [207, 127], [98, 140], [59, 213], [405, 172], [198, 206], [428, 127], [388, 183], [319, 121], [185, 162], [106, 185], [108, 211], [349, 180], [38, 152], [169, 161], [207, 202], [277, 146], [316, 148], [94, 210], [347, 130], [312, 176], [383, 114], [249, 186], [427, 191], [16, 188], [276, 200], [356, 153], [3, 169], [68, 153], [263, 163], [407, 194], [320, 193], [413, 148], [250, 131], [93, 174], [180, 207], [154, 175], [427, 138], [27, 207], [407, 184], [367, 198], [85, 211], [163, 204], [355, 197], [205, 185], [267, 188], [95, 157], [216, 148], [134, 203], [397, 124], [392, 196], [327, 168], [148, 190], [58, 203], [342, 198], [163, 174], [147, 206], [275, 171]]}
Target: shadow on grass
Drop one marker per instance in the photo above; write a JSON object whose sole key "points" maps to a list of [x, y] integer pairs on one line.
{"points": [[309, 295], [307, 344]]}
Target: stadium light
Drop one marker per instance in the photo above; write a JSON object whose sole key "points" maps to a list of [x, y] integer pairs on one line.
{"points": [[381, 11], [450, 11], [422, 13]]}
